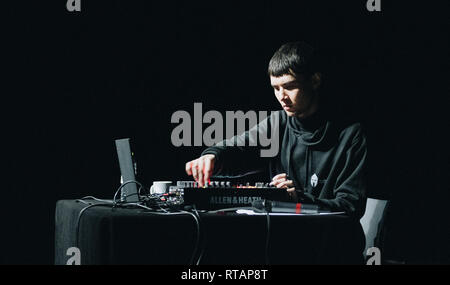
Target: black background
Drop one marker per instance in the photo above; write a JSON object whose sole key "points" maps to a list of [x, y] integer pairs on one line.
{"points": [[74, 82]]}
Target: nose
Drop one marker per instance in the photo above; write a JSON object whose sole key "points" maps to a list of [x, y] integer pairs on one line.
{"points": [[283, 95]]}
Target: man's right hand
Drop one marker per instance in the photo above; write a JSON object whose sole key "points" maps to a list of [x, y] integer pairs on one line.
{"points": [[281, 181], [201, 168]]}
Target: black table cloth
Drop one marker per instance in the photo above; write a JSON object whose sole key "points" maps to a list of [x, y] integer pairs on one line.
{"points": [[133, 236]]}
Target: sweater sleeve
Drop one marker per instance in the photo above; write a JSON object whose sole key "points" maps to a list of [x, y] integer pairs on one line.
{"points": [[351, 183], [246, 153]]}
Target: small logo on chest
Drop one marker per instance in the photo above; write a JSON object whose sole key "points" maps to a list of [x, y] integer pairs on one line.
{"points": [[314, 180]]}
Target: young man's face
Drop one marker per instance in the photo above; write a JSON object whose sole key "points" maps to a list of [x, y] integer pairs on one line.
{"points": [[295, 95]]}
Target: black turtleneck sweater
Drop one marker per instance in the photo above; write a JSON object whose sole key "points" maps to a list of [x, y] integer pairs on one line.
{"points": [[325, 160]]}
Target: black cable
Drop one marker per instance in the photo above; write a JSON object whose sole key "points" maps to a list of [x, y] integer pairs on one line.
{"points": [[122, 202], [145, 207], [200, 235], [267, 239], [84, 202], [197, 223], [80, 214], [157, 202], [96, 199], [197, 242], [114, 203], [142, 187], [123, 184], [79, 219]]}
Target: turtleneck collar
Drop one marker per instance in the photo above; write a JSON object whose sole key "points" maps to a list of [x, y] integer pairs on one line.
{"points": [[310, 130], [310, 123]]}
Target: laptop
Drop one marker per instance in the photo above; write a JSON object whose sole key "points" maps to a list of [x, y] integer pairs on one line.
{"points": [[129, 192]]}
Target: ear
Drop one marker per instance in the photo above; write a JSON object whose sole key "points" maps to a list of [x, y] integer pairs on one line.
{"points": [[316, 80]]}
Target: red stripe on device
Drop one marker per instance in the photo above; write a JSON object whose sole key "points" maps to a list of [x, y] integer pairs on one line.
{"points": [[298, 208]]}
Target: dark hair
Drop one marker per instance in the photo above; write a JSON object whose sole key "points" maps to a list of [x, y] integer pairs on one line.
{"points": [[293, 58]]}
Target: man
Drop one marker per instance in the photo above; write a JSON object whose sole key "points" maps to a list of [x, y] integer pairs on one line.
{"points": [[320, 160]]}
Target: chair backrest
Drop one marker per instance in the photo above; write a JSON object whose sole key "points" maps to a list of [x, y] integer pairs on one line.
{"points": [[371, 220]]}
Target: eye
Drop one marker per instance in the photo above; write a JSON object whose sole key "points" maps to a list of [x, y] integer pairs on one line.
{"points": [[291, 87]]}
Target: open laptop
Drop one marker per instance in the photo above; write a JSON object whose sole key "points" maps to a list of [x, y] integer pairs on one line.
{"points": [[129, 192]]}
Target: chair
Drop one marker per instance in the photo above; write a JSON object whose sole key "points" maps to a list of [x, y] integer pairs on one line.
{"points": [[370, 222]]}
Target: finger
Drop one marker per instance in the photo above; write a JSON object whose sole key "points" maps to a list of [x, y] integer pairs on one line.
{"points": [[278, 176], [194, 171], [290, 190], [208, 169], [200, 172], [285, 184], [278, 181], [189, 168]]}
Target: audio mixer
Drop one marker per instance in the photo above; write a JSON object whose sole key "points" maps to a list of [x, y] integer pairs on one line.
{"points": [[223, 194]]}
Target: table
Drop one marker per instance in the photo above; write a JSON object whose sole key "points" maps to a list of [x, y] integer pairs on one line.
{"points": [[133, 236]]}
